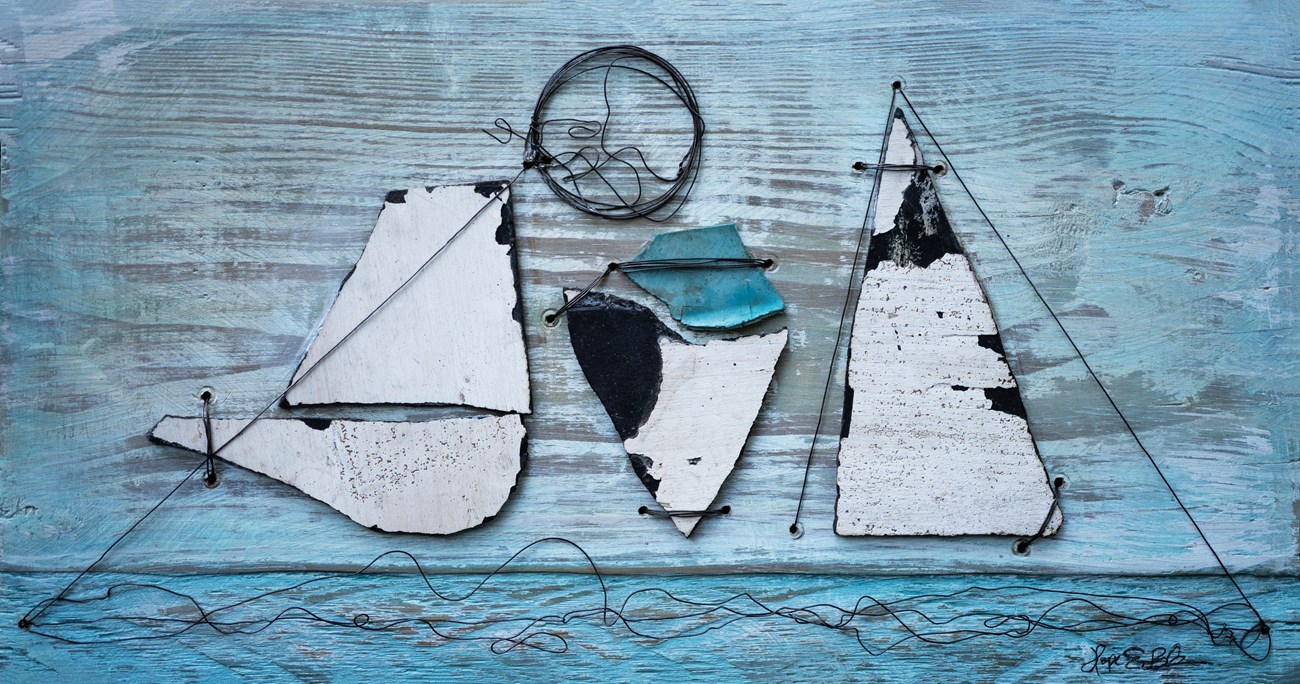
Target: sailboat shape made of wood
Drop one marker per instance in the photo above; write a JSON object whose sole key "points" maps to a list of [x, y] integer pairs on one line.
{"points": [[935, 439], [451, 335], [431, 477], [683, 411]]}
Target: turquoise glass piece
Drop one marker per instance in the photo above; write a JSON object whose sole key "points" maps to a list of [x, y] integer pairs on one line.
{"points": [[708, 298]]}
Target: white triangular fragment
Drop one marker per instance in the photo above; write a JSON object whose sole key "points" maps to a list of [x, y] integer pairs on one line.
{"points": [[927, 452], [708, 399], [452, 336], [429, 477]]}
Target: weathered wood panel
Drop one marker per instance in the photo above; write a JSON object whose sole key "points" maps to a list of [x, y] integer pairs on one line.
{"points": [[760, 648], [185, 185]]}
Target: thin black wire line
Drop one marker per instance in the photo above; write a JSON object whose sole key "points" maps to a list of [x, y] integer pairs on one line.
{"points": [[683, 263], [658, 513], [210, 466], [863, 166], [1042, 529], [844, 314], [1096, 378], [906, 613], [37, 610], [40, 608]]}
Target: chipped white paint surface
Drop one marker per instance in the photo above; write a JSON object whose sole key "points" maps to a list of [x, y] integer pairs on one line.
{"points": [[708, 399], [926, 453], [450, 337], [431, 477]]}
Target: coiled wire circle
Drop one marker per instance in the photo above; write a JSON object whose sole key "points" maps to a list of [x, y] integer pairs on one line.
{"points": [[565, 173]]}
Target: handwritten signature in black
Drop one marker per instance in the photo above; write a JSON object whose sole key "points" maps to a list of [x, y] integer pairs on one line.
{"points": [[1105, 661]]}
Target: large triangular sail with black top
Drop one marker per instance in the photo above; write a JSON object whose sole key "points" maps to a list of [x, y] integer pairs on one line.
{"points": [[935, 439]]}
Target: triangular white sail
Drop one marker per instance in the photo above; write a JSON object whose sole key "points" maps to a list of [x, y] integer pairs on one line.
{"points": [[431, 477], [684, 410], [453, 335], [936, 441]]}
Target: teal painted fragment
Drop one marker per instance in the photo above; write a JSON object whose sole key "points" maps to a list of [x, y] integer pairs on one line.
{"points": [[710, 299]]}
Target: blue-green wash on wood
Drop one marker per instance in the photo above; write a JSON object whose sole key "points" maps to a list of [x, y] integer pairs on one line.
{"points": [[708, 299]]}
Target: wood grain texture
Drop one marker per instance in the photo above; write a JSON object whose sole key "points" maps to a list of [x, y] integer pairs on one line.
{"points": [[185, 184]]}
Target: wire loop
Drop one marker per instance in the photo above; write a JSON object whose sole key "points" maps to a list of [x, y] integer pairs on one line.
{"points": [[584, 178]]}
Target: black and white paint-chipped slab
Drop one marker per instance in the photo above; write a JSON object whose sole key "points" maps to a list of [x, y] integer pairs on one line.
{"points": [[430, 477], [683, 411], [935, 440], [453, 335]]}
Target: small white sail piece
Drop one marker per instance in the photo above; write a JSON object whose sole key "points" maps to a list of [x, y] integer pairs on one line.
{"points": [[683, 411], [935, 440], [453, 335], [430, 477]]}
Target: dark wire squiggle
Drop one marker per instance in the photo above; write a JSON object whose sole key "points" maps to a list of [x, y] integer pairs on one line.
{"points": [[644, 609], [580, 177]]}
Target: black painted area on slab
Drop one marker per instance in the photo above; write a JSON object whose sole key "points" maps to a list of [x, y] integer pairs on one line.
{"points": [[848, 410], [316, 423], [506, 235], [921, 233], [1006, 400], [395, 197], [488, 188], [641, 465], [994, 342], [616, 342]]}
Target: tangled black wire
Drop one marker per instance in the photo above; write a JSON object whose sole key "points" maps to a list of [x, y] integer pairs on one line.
{"points": [[649, 613], [585, 178]]}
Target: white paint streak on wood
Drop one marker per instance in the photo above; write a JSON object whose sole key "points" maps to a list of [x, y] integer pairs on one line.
{"points": [[450, 337], [430, 477], [925, 453], [708, 400]]}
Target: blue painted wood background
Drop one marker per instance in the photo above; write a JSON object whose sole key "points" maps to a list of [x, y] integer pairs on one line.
{"points": [[185, 183]]}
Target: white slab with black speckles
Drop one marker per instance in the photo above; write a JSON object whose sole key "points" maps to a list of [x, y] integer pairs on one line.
{"points": [[453, 335], [430, 477], [936, 441], [684, 410]]}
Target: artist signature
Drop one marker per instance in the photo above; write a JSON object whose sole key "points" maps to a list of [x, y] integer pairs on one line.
{"points": [[1104, 660]]}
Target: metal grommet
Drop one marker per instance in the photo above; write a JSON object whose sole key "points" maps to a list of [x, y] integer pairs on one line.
{"points": [[796, 530], [1021, 547], [770, 264], [1059, 482], [898, 84], [207, 394], [940, 170], [549, 319]]}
